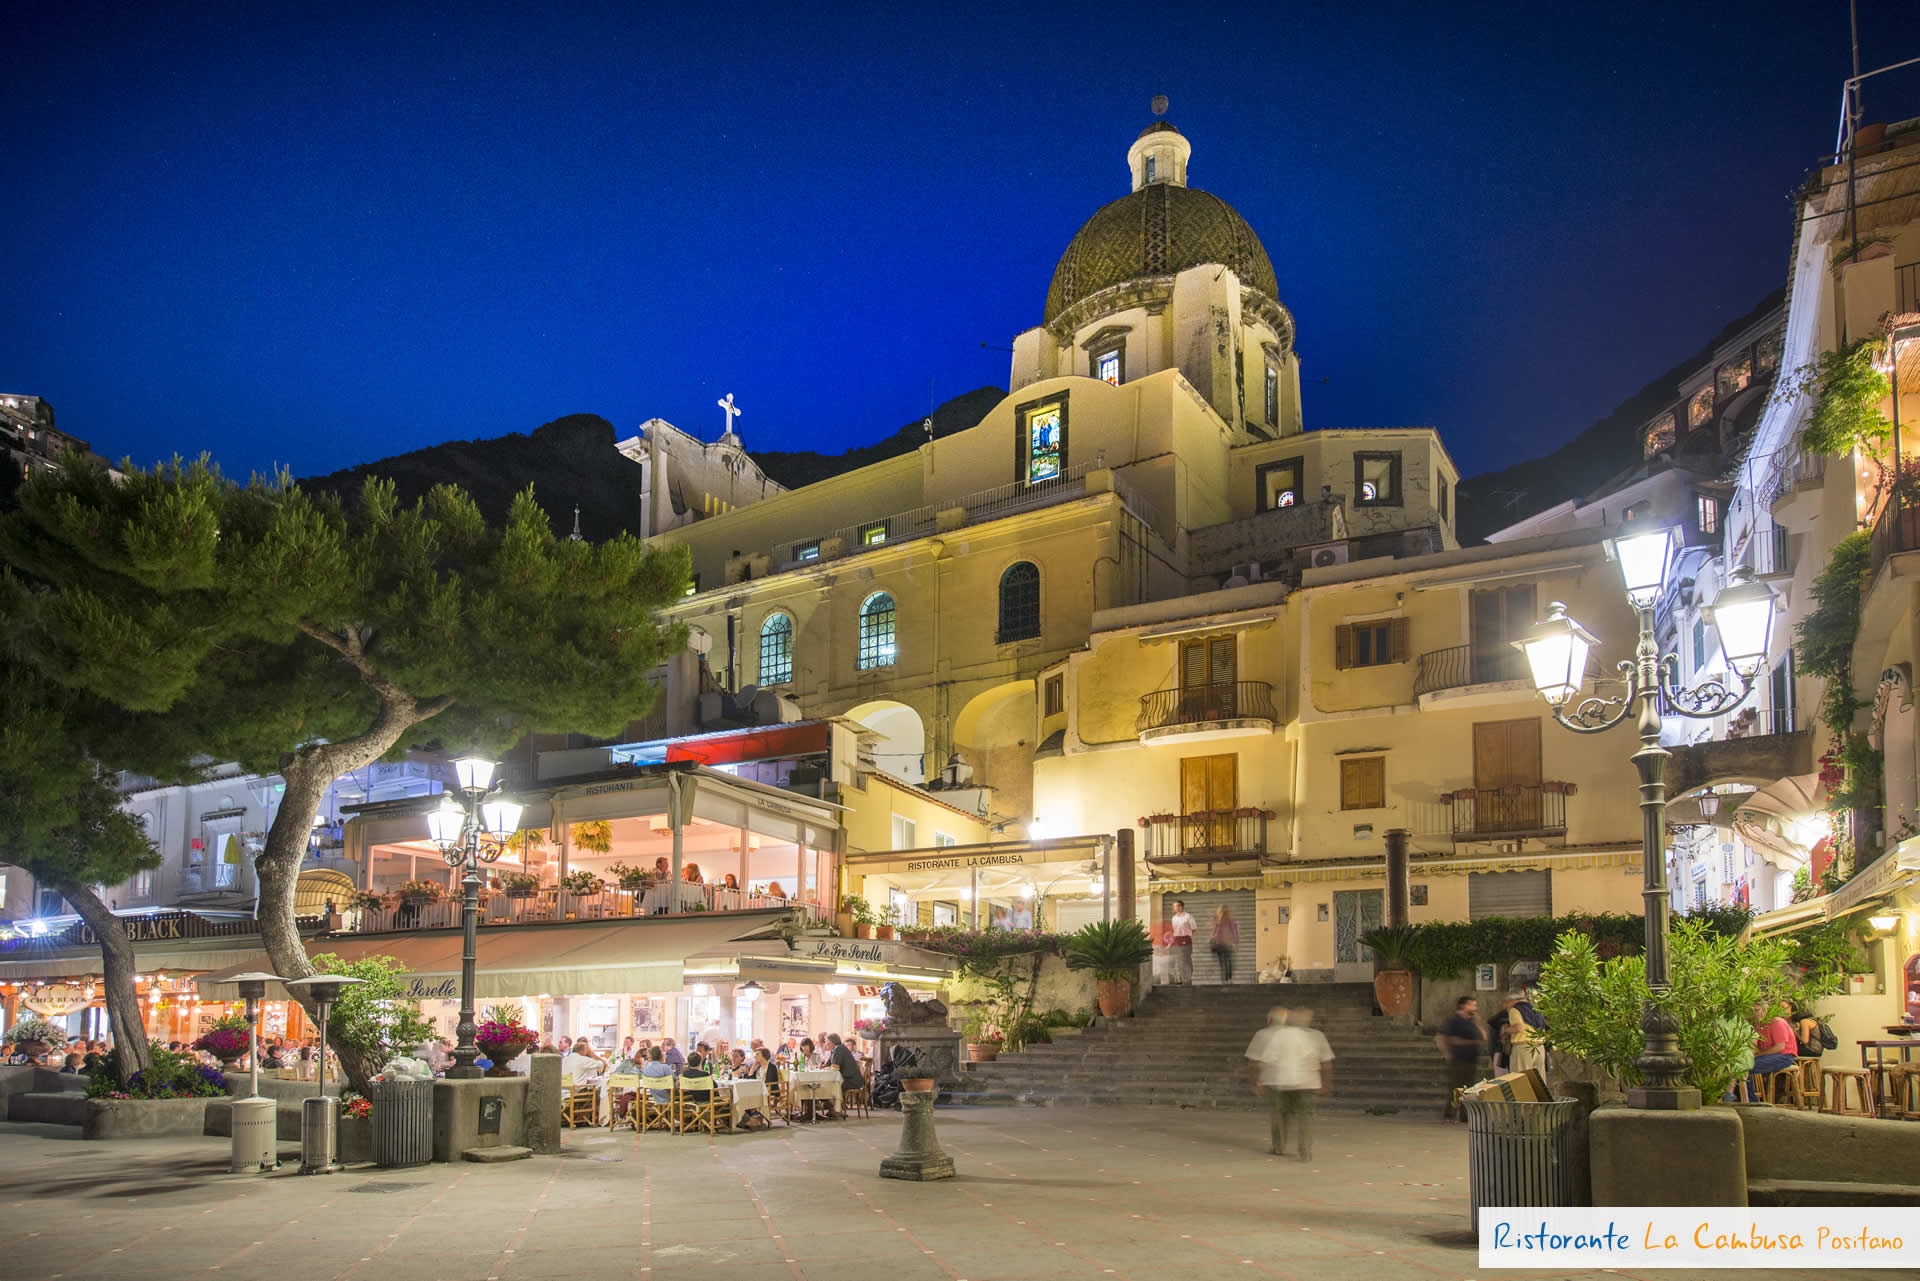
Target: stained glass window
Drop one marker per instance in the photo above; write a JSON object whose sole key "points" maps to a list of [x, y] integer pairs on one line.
{"points": [[1106, 367], [1369, 491], [1019, 603], [1659, 436], [873, 535], [1286, 497], [1045, 449], [776, 650], [1377, 479], [876, 631]]}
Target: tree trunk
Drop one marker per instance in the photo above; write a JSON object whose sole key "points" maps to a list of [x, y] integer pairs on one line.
{"points": [[308, 774], [118, 969]]}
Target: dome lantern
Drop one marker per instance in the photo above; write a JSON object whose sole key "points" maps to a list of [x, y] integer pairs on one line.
{"points": [[1159, 155]]}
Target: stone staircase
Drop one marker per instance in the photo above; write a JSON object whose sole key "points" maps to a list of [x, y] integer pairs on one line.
{"points": [[1187, 1048]]}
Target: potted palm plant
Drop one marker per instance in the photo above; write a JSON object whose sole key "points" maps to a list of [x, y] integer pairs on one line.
{"points": [[1114, 951], [1391, 946]]}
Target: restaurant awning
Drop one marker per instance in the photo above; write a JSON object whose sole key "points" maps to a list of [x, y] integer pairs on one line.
{"points": [[583, 959], [77, 964]]}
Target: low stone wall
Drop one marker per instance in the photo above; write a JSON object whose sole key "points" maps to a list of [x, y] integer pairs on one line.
{"points": [[57, 1107], [1811, 1147], [143, 1118]]}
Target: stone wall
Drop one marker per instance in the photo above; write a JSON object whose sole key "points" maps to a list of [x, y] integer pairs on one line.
{"points": [[1785, 1144], [144, 1118]]}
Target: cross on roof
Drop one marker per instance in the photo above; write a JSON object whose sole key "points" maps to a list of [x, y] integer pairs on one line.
{"points": [[731, 411]]}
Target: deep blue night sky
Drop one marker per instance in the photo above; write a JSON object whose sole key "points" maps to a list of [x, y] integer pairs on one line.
{"points": [[315, 241]]}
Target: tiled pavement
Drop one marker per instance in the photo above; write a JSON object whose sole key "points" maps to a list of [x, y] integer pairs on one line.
{"points": [[1147, 1195]]}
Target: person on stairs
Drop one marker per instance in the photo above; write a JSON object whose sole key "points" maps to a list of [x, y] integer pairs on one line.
{"points": [[1226, 939], [1180, 937]]}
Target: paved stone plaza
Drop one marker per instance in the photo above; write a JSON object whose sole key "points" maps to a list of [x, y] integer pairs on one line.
{"points": [[1147, 1195]]}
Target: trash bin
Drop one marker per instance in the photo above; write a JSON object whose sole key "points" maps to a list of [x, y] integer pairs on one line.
{"points": [[1520, 1153], [402, 1122], [319, 1133]]}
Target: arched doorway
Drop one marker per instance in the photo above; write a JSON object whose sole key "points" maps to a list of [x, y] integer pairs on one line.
{"points": [[902, 751], [994, 733]]}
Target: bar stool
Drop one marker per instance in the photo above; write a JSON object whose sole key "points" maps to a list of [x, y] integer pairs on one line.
{"points": [[1809, 1080], [1782, 1087], [1833, 1086], [1903, 1081]]}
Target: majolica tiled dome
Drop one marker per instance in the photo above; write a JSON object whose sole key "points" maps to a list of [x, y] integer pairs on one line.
{"points": [[1157, 230]]}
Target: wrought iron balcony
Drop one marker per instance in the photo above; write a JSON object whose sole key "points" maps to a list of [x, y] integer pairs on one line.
{"points": [[1518, 809], [1204, 842], [1896, 530], [1465, 665], [1220, 709]]}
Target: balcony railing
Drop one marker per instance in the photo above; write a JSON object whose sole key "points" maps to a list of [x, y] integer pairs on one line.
{"points": [[1897, 530], [1465, 665], [1172, 842], [1767, 551], [547, 907], [1198, 705], [1518, 809]]}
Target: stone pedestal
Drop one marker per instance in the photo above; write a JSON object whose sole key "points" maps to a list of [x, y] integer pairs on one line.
{"points": [[937, 1045], [543, 1104], [1648, 1157], [478, 1113], [919, 1157]]}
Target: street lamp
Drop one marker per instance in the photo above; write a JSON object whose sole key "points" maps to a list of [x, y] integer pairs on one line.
{"points": [[471, 826], [1557, 653]]}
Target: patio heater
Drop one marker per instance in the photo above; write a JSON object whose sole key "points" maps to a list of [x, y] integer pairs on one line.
{"points": [[470, 829], [256, 1137], [319, 1115], [1556, 653]]}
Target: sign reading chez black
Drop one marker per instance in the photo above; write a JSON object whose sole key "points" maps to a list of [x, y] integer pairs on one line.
{"points": [[162, 927]]}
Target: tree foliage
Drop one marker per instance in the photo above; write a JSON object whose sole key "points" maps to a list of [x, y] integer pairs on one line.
{"points": [[375, 1018], [1847, 392], [1823, 642], [307, 636]]}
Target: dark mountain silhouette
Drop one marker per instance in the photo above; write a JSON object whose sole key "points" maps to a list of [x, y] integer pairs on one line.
{"points": [[572, 460], [794, 468], [1495, 499]]}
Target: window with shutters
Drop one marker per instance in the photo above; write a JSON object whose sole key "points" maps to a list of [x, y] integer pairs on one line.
{"points": [[1506, 776], [1019, 603], [1207, 673], [1500, 616], [1209, 793], [776, 650], [1055, 695], [1370, 644], [1363, 783]]}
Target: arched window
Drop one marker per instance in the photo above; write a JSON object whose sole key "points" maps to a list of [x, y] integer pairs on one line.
{"points": [[1019, 603], [776, 650], [876, 631]]}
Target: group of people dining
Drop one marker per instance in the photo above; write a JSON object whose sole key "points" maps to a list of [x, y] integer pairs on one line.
{"points": [[690, 874], [660, 1064]]}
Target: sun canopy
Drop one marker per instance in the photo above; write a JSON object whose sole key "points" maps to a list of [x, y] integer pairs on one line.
{"points": [[530, 960]]}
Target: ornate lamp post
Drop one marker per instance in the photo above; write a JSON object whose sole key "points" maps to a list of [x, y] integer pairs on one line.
{"points": [[471, 826], [1556, 654]]}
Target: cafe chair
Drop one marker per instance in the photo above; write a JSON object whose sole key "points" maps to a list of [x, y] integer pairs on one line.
{"points": [[621, 1112], [1836, 1084], [579, 1105], [698, 1105], [651, 1113]]}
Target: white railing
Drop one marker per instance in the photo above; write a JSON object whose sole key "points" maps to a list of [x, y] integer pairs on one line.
{"points": [[550, 906]]}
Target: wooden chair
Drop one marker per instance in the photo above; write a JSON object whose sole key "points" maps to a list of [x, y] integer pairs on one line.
{"points": [[619, 1112], [1834, 1087], [651, 1113], [579, 1105], [858, 1099], [697, 1105]]}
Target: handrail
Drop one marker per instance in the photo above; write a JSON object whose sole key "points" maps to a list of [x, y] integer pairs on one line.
{"points": [[1516, 809], [1461, 665], [1217, 836], [1203, 704], [549, 906]]}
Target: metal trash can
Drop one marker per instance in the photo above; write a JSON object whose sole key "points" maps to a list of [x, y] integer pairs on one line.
{"points": [[402, 1122], [319, 1133], [1520, 1153]]}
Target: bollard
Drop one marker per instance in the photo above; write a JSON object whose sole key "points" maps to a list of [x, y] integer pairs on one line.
{"points": [[919, 1156]]}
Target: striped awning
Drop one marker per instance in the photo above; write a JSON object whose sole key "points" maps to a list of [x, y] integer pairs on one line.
{"points": [[1201, 886], [1375, 869]]}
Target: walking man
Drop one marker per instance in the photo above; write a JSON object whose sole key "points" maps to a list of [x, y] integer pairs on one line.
{"points": [[1290, 1057], [1180, 929], [1460, 1042]]}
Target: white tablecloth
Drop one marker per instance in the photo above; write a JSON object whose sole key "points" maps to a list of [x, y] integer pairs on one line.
{"points": [[656, 899], [748, 1096], [816, 1084]]}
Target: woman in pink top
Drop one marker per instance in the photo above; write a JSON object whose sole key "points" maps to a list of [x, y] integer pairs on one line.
{"points": [[1226, 938]]}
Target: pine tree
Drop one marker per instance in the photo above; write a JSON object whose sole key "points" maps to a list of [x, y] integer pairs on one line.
{"points": [[304, 636]]}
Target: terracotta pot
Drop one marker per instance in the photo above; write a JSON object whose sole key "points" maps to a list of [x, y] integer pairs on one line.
{"points": [[883, 931], [521, 892], [1393, 989], [983, 1051], [843, 921], [864, 931], [1114, 996], [918, 1084]]}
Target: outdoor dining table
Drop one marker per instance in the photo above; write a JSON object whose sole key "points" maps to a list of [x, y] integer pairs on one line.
{"points": [[1906, 1046], [814, 1084], [657, 899], [745, 1095]]}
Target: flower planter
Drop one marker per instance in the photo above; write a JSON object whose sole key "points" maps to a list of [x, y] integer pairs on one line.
{"points": [[522, 891], [918, 1084], [32, 1049], [983, 1051], [1393, 989], [865, 931], [499, 1068], [1113, 996], [883, 931], [416, 899]]}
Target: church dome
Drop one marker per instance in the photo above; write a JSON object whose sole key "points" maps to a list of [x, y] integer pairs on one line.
{"points": [[1156, 230]]}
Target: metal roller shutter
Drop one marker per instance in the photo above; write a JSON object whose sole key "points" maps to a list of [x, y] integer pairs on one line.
{"points": [[1509, 894], [1202, 908]]}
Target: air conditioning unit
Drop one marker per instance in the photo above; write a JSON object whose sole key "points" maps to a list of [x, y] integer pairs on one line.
{"points": [[1321, 555], [1247, 573]]}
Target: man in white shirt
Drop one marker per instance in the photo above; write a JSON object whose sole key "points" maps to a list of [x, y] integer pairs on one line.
{"points": [[1289, 1058], [1180, 935]]}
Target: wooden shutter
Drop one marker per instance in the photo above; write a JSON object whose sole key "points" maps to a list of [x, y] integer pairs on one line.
{"points": [[1363, 783], [1193, 664], [1506, 775], [1343, 647], [1397, 641]]}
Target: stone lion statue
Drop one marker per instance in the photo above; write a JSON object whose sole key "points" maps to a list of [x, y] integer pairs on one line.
{"points": [[903, 1009]]}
